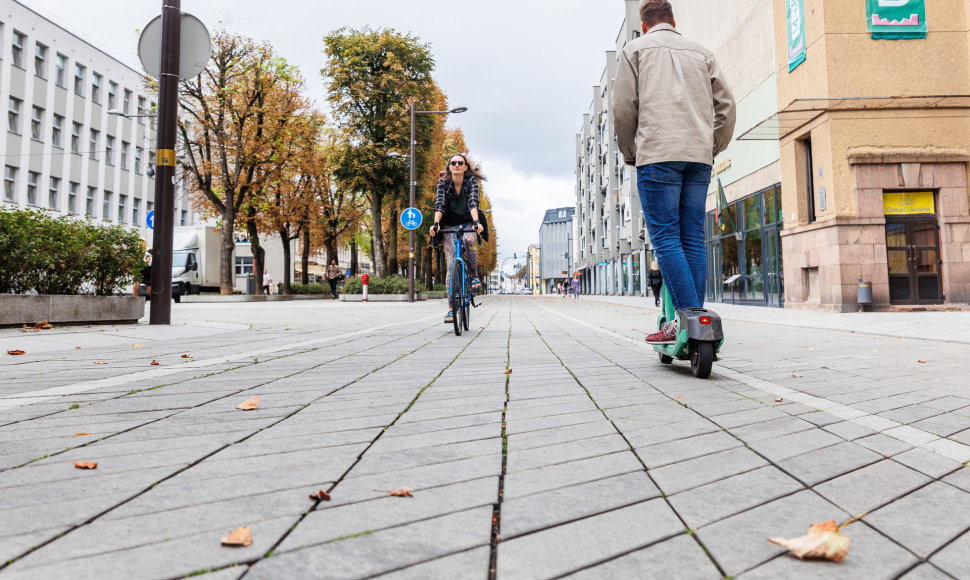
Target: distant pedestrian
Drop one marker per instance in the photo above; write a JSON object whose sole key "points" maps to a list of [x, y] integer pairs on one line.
{"points": [[576, 285], [334, 273], [146, 277], [656, 280], [267, 282]]}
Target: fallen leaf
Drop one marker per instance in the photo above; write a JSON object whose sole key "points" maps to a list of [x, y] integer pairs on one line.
{"points": [[90, 326], [921, 361], [508, 372], [16, 352], [186, 356], [100, 362], [137, 345], [823, 540], [85, 465], [320, 495], [779, 399], [77, 348], [796, 376], [42, 325], [403, 492], [155, 363], [240, 537], [82, 433], [250, 404]]}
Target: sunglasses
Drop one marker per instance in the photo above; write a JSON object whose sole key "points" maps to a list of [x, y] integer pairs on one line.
{"points": [[457, 163]]}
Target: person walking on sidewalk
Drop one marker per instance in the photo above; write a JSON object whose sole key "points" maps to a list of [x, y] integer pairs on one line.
{"points": [[673, 113], [576, 287], [333, 276], [267, 282], [456, 204], [655, 280]]}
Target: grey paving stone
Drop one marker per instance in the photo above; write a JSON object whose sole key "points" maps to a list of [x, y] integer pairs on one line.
{"points": [[944, 425], [786, 446], [382, 551], [551, 477], [581, 543], [925, 519], [666, 453], [356, 488], [708, 503], [927, 462], [749, 417], [954, 559], [678, 477], [864, 489], [884, 444], [16, 544], [679, 557], [738, 543], [871, 556], [562, 453], [771, 429], [541, 510], [819, 418], [829, 462], [533, 439], [671, 432], [472, 564], [911, 414], [374, 461], [928, 572], [537, 423], [848, 430], [948, 403]]}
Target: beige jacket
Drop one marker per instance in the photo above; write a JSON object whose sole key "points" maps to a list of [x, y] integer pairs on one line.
{"points": [[670, 101], [333, 272]]}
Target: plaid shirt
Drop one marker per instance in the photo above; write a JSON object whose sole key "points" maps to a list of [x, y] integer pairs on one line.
{"points": [[446, 189]]}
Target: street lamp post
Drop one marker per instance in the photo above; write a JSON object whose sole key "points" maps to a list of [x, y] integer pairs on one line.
{"points": [[412, 185]]}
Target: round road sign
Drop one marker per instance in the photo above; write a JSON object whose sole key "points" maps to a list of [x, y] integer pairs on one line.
{"points": [[194, 48]]}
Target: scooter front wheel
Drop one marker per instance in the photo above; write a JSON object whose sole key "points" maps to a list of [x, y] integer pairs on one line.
{"points": [[666, 359], [701, 358]]}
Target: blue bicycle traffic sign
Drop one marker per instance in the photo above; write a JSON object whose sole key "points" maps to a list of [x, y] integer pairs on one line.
{"points": [[411, 219], [150, 220]]}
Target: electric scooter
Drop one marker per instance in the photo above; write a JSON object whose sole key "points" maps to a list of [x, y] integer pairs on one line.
{"points": [[699, 336]]}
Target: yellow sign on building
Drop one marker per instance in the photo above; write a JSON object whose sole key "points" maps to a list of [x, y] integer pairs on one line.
{"points": [[909, 203]]}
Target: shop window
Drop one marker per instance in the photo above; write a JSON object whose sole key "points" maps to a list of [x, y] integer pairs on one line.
{"points": [[809, 180]]}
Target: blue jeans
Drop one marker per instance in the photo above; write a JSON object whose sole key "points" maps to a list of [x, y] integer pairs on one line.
{"points": [[673, 195]]}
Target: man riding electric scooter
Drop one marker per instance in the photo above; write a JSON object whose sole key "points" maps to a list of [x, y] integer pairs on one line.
{"points": [[673, 113]]}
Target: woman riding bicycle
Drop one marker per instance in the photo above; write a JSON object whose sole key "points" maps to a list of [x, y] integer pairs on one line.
{"points": [[456, 205]]}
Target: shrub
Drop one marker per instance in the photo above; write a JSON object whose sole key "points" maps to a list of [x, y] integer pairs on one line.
{"points": [[312, 288], [60, 255], [392, 285]]}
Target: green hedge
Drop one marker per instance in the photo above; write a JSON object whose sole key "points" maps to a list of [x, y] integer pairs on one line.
{"points": [[312, 288], [392, 285], [48, 254]]}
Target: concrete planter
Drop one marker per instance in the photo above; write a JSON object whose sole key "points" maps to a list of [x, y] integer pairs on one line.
{"points": [[386, 297], [18, 309], [214, 299]]}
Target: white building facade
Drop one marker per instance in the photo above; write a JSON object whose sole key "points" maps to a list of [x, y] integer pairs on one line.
{"points": [[556, 248], [62, 151]]}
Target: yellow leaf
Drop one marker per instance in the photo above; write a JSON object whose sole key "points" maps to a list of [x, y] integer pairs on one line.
{"points": [[240, 537], [822, 541], [250, 404]]}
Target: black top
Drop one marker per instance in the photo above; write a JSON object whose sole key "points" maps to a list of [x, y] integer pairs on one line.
{"points": [[146, 275], [457, 205]]}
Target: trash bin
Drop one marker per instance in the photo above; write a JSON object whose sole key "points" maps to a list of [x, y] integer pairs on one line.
{"points": [[864, 294], [251, 284]]}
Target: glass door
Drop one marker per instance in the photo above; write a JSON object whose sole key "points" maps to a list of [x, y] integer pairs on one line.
{"points": [[913, 256]]}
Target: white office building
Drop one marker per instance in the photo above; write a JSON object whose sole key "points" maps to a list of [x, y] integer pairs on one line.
{"points": [[62, 151]]}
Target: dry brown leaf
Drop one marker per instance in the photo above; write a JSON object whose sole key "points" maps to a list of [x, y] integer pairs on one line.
{"points": [[403, 492], [42, 325], [186, 356], [250, 404], [155, 363], [77, 348], [508, 372], [16, 352], [823, 540], [82, 433], [779, 399], [240, 537], [85, 465], [320, 495], [100, 362], [921, 361]]}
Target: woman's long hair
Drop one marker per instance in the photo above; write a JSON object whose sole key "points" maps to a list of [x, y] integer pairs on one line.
{"points": [[469, 168]]}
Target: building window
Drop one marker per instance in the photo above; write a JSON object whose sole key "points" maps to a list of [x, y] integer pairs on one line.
{"points": [[17, 49], [138, 153], [89, 202], [141, 110], [185, 218], [109, 150], [32, 178], [79, 72], [60, 67], [9, 182], [122, 209], [13, 115], [124, 155], [126, 105], [106, 205], [96, 88], [76, 138], [53, 193], [36, 123], [40, 60], [112, 95], [809, 180], [72, 192], [244, 265], [93, 144], [57, 127], [136, 211]]}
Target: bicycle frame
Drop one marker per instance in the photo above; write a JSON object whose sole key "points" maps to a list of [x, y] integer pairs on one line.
{"points": [[459, 254]]}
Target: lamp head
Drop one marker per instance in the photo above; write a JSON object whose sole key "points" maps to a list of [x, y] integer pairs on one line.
{"points": [[458, 110]]}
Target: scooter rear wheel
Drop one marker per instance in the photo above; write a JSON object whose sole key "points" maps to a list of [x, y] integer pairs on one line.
{"points": [[666, 359], [701, 358]]}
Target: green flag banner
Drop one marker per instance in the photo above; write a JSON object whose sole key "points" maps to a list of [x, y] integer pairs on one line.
{"points": [[896, 19], [796, 33]]}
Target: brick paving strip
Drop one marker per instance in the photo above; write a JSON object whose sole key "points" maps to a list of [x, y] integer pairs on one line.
{"points": [[590, 459]]}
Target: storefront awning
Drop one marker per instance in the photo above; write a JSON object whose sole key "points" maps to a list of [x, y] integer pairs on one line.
{"points": [[803, 111]]}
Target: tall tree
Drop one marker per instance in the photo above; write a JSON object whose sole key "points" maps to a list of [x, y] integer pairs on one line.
{"points": [[340, 210], [373, 76]]}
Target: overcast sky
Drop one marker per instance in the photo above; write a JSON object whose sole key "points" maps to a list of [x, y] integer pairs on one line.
{"points": [[524, 68]]}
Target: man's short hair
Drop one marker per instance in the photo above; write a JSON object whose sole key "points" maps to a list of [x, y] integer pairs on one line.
{"points": [[654, 12]]}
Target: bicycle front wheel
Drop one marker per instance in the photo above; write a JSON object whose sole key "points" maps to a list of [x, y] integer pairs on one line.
{"points": [[457, 295], [466, 308]]}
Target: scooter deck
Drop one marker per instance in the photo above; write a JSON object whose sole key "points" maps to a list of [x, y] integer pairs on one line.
{"points": [[680, 349]]}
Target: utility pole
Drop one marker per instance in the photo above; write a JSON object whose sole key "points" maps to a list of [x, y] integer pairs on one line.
{"points": [[411, 178], [168, 85]]}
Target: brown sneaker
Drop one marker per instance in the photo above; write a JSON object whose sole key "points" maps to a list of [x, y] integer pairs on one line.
{"points": [[666, 335]]}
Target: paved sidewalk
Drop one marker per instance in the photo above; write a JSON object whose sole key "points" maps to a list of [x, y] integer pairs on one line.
{"points": [[590, 459]]}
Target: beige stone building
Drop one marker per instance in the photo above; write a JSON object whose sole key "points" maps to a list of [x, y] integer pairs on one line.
{"points": [[875, 145]]}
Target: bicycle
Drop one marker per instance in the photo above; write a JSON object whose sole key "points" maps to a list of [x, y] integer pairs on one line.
{"points": [[461, 294]]}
